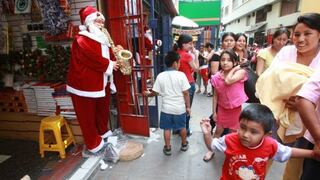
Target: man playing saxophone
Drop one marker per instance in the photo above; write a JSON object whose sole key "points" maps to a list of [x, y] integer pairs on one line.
{"points": [[90, 80]]}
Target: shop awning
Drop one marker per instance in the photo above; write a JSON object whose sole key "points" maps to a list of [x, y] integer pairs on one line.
{"points": [[184, 22], [255, 27]]}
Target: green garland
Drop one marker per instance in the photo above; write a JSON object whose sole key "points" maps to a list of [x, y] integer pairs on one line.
{"points": [[50, 65]]}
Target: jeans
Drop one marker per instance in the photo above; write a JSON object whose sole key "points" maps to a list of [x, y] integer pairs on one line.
{"points": [[191, 94]]}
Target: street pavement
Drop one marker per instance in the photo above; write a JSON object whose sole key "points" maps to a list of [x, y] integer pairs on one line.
{"points": [[153, 164]]}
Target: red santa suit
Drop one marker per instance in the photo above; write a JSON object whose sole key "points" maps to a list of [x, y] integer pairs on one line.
{"points": [[89, 82]]}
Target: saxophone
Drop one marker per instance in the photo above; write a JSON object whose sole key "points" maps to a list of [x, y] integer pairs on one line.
{"points": [[122, 56]]}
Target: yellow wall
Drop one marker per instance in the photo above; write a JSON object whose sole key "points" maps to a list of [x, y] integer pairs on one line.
{"points": [[310, 6]]}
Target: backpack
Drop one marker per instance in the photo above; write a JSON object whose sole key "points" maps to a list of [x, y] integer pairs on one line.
{"points": [[250, 84]]}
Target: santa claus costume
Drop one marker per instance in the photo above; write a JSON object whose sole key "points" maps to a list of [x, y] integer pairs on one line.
{"points": [[90, 79]]}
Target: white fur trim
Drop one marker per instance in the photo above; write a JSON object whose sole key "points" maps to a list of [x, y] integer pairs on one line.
{"points": [[107, 134], [110, 68], [112, 86], [93, 94], [105, 51], [82, 28], [96, 149]]}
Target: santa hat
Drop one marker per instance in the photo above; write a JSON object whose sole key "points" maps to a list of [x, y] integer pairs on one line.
{"points": [[87, 15]]}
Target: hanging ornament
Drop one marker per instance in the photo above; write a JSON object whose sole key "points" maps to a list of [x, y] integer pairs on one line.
{"points": [[65, 6], [35, 12], [22, 6]]}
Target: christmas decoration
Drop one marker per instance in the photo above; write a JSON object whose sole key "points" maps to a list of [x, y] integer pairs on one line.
{"points": [[57, 63], [22, 6], [48, 66], [35, 12], [32, 64], [55, 20]]}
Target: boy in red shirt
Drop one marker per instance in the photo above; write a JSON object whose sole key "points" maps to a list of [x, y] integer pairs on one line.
{"points": [[247, 152]]}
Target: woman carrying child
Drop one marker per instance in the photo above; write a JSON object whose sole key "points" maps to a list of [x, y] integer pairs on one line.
{"points": [[229, 94]]}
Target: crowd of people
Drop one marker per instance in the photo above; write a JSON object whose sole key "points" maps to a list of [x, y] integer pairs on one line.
{"points": [[252, 136], [279, 84]]}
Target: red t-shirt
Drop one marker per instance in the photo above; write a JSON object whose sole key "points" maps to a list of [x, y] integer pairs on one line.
{"points": [[248, 163], [185, 59]]}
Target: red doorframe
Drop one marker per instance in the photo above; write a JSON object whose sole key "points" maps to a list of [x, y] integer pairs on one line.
{"points": [[131, 105]]}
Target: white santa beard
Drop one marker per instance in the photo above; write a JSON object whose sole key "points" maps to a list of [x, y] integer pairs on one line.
{"points": [[97, 32]]}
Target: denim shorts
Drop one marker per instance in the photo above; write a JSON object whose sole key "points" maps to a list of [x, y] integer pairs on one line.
{"points": [[171, 121]]}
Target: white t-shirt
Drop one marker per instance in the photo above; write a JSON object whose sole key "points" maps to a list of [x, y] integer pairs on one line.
{"points": [[170, 85]]}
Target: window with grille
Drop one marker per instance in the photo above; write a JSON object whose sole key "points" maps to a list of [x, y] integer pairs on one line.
{"points": [[289, 7], [261, 15]]}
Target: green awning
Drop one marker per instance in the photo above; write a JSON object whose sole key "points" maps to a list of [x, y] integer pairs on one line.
{"points": [[203, 13]]}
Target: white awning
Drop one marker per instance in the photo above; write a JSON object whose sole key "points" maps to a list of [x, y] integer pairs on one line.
{"points": [[184, 22], [255, 27]]}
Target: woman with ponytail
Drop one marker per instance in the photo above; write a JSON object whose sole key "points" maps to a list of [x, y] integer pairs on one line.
{"points": [[188, 65]]}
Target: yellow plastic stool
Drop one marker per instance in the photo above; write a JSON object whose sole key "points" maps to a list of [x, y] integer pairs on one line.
{"points": [[55, 123]]}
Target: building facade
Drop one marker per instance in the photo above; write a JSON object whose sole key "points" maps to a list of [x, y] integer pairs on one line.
{"points": [[259, 19]]}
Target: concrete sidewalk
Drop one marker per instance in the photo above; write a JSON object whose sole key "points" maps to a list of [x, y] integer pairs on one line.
{"points": [[180, 165]]}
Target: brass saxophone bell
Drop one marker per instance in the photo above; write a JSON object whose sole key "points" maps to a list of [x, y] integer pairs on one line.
{"points": [[125, 54], [123, 59]]}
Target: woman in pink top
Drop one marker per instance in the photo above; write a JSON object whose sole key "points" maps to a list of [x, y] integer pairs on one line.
{"points": [[184, 47], [229, 93], [306, 51]]}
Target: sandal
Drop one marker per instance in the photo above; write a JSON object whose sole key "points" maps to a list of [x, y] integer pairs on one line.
{"points": [[167, 151], [184, 147], [209, 155]]}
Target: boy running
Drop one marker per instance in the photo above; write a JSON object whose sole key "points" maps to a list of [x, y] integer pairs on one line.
{"points": [[248, 151]]}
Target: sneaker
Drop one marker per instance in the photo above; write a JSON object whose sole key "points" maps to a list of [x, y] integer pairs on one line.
{"points": [[167, 151], [88, 154], [184, 147]]}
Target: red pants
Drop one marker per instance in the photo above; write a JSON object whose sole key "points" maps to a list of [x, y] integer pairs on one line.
{"points": [[204, 75], [93, 118]]}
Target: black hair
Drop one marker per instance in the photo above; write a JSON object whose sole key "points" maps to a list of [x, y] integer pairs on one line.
{"points": [[279, 32], [258, 113], [238, 35], [312, 20], [183, 39], [171, 57], [226, 34], [246, 52], [209, 44], [233, 56]]}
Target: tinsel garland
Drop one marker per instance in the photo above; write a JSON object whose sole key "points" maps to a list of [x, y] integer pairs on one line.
{"points": [[55, 20]]}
